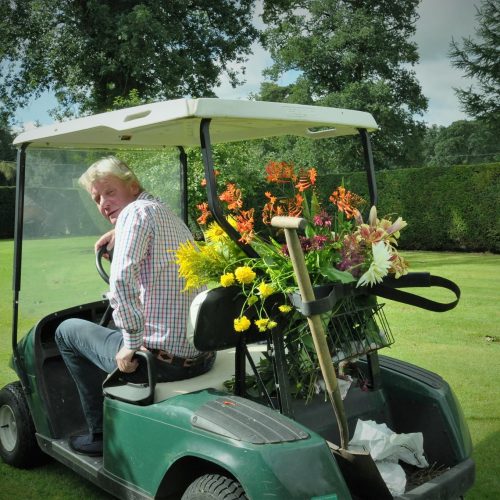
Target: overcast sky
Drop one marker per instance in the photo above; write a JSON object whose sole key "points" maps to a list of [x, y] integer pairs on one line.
{"points": [[440, 21]]}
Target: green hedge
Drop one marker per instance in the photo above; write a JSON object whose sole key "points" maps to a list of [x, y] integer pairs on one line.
{"points": [[453, 208], [7, 211]]}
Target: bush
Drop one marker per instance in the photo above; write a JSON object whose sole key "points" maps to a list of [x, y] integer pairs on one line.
{"points": [[7, 209], [454, 208]]}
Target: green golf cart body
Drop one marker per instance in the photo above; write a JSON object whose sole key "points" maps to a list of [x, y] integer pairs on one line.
{"points": [[180, 439]]}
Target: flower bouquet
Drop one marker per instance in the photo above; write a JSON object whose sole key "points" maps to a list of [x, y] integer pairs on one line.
{"points": [[342, 252]]}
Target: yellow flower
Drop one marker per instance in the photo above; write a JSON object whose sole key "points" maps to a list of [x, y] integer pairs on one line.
{"points": [[265, 290], [215, 233], [227, 279], [241, 324], [262, 324], [272, 324], [244, 275], [285, 308]]}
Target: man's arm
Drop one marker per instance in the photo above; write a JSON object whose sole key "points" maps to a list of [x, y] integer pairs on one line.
{"points": [[133, 232]]}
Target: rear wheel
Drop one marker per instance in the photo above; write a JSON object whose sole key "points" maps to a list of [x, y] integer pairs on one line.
{"points": [[214, 487], [18, 446]]}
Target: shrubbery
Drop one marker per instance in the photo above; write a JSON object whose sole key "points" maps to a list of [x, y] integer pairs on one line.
{"points": [[7, 211], [453, 208]]}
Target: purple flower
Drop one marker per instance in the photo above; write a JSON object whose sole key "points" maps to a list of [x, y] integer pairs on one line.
{"points": [[322, 219]]}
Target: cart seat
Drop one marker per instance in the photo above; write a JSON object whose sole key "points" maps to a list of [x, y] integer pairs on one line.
{"points": [[222, 370]]}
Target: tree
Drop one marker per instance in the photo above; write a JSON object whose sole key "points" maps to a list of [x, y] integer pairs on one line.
{"points": [[481, 60], [7, 150], [463, 142], [352, 54], [90, 52]]}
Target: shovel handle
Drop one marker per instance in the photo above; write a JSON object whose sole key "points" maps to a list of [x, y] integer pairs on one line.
{"points": [[290, 226]]}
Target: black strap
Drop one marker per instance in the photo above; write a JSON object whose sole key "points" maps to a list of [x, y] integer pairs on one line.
{"points": [[388, 289]]}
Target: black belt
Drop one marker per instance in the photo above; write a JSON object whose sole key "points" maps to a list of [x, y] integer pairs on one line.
{"points": [[166, 357]]}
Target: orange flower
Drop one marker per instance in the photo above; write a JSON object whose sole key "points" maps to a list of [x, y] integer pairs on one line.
{"points": [[205, 213], [281, 206], [346, 201], [306, 179], [203, 182], [280, 172], [232, 196], [245, 224]]}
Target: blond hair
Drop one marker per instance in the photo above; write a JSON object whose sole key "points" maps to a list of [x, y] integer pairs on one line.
{"points": [[110, 165]]}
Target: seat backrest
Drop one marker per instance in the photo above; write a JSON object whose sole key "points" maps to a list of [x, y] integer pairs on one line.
{"points": [[213, 320]]}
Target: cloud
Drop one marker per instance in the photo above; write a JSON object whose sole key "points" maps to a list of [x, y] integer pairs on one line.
{"points": [[439, 23]]}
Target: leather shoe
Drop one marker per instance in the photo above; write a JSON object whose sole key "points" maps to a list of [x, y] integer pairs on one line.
{"points": [[87, 444]]}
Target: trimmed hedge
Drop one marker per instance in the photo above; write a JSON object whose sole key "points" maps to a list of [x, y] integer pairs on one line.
{"points": [[7, 211], [453, 208]]}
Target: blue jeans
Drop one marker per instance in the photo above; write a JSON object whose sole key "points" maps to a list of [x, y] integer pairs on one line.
{"points": [[89, 351]]}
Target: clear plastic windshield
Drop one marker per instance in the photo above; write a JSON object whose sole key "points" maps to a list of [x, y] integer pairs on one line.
{"points": [[61, 224]]}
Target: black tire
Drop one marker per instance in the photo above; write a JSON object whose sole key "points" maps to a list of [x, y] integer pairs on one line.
{"points": [[18, 446], [214, 487]]}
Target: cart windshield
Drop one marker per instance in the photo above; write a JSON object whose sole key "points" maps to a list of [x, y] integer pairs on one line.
{"points": [[61, 224]]}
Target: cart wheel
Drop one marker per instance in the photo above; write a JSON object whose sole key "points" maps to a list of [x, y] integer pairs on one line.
{"points": [[214, 487], [18, 446]]}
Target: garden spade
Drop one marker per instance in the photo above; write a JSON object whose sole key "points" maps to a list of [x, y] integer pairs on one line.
{"points": [[358, 468]]}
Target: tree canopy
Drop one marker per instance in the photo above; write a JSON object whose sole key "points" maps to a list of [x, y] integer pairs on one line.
{"points": [[463, 142], [90, 52], [351, 54], [480, 59]]}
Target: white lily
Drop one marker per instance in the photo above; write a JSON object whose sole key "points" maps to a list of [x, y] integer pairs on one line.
{"points": [[379, 267]]}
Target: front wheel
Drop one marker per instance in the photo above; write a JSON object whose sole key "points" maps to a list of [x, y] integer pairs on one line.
{"points": [[214, 487], [18, 446]]}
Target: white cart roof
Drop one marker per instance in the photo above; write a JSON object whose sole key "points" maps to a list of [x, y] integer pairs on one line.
{"points": [[177, 122]]}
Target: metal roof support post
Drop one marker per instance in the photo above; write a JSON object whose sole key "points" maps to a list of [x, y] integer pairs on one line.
{"points": [[369, 166], [372, 358], [183, 184], [213, 199], [18, 244]]}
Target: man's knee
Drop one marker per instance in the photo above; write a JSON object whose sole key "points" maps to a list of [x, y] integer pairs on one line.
{"points": [[66, 329]]}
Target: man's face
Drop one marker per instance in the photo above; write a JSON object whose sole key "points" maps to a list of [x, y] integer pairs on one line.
{"points": [[112, 195]]}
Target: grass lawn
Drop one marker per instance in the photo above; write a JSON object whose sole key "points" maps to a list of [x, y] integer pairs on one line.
{"points": [[462, 345]]}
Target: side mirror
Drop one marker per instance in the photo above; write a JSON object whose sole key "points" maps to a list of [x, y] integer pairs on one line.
{"points": [[137, 388]]}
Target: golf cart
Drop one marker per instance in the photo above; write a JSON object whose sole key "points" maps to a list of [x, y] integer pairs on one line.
{"points": [[193, 438]]}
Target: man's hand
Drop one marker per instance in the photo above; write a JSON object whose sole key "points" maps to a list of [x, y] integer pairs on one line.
{"points": [[108, 240], [124, 360]]}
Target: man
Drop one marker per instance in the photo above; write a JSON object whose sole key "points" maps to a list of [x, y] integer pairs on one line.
{"points": [[149, 310]]}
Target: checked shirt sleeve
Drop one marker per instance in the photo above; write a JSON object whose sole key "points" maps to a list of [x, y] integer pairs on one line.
{"points": [[132, 237]]}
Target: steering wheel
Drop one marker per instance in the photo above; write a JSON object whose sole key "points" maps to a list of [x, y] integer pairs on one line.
{"points": [[106, 317], [99, 264]]}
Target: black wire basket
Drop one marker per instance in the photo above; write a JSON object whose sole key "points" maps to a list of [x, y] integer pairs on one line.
{"points": [[357, 328]]}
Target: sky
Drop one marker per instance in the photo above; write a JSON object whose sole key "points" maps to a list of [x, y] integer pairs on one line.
{"points": [[440, 21]]}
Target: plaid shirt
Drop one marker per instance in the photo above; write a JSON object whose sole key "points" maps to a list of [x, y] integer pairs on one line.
{"points": [[146, 292]]}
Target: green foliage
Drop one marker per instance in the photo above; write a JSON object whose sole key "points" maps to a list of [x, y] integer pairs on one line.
{"points": [[463, 142], [7, 209], [446, 208], [480, 60], [241, 163], [7, 150], [93, 51], [355, 55], [7, 173]]}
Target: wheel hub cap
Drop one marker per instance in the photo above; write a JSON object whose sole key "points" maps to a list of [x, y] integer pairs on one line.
{"points": [[8, 428]]}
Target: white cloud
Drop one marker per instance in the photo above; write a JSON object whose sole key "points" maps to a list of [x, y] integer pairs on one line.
{"points": [[440, 22]]}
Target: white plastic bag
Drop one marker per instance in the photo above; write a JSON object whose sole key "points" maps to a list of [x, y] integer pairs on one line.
{"points": [[387, 448]]}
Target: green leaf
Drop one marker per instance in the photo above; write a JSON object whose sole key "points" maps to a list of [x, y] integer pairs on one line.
{"points": [[334, 274]]}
